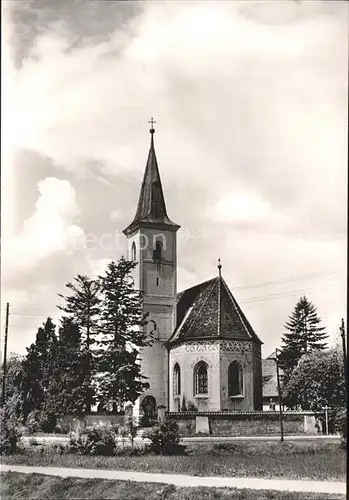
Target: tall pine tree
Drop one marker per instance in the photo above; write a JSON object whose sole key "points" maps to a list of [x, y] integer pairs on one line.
{"points": [[83, 306], [122, 336], [304, 334], [69, 390], [36, 368]]}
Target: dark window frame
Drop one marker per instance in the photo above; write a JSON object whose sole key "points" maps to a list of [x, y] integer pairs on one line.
{"points": [[133, 251], [201, 379], [176, 380], [235, 379]]}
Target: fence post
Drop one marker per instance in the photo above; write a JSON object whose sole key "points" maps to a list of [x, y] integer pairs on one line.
{"points": [[280, 398]]}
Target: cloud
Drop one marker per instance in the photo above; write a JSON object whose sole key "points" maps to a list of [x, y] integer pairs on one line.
{"points": [[186, 278], [98, 266], [40, 259], [116, 214], [241, 207], [251, 138], [50, 228], [175, 57]]}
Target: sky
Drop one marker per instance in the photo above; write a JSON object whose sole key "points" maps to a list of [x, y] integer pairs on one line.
{"points": [[250, 101]]}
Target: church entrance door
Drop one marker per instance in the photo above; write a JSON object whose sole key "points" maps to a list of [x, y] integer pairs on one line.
{"points": [[149, 407]]}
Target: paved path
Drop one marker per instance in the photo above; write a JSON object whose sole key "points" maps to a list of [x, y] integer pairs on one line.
{"points": [[334, 487]]}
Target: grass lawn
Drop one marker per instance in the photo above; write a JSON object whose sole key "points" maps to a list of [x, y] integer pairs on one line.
{"points": [[292, 460], [14, 485]]}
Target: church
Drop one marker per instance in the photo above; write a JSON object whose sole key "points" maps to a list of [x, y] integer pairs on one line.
{"points": [[206, 355]]}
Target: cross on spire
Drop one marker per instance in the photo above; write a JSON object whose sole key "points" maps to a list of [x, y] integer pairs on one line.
{"points": [[219, 267], [152, 121]]}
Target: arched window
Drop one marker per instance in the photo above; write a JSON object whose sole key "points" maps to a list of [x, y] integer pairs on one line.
{"points": [[157, 253], [133, 251], [200, 379], [235, 379], [176, 380]]}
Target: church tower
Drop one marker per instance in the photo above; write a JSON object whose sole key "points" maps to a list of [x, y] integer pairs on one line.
{"points": [[152, 244]]}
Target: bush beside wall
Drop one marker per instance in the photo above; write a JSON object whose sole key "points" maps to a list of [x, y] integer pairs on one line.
{"points": [[9, 433], [186, 427], [71, 423]]}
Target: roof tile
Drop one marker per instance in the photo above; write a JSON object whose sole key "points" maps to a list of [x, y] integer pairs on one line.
{"points": [[198, 315]]}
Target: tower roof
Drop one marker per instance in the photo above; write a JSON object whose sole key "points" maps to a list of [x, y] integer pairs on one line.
{"points": [[151, 207], [209, 311]]}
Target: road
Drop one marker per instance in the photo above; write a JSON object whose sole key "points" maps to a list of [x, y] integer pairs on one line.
{"points": [[329, 487]]}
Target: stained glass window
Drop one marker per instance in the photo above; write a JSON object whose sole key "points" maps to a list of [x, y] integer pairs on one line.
{"points": [[200, 379]]}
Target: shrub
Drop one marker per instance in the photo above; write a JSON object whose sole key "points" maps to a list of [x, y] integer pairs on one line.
{"points": [[32, 422], [226, 448], [115, 428], [165, 439], [190, 426], [123, 432], [191, 406], [47, 421], [188, 405], [130, 427], [93, 441], [61, 428], [147, 421], [9, 433], [40, 420], [129, 451], [341, 424], [56, 448]]}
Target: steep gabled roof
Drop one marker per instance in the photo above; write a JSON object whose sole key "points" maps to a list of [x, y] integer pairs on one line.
{"points": [[209, 310], [151, 204]]}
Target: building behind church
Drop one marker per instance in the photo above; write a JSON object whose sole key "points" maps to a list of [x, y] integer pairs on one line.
{"points": [[206, 354]]}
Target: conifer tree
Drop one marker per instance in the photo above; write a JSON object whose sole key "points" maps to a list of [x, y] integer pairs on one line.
{"points": [[69, 390], [122, 336], [83, 306], [304, 334], [36, 367], [14, 374]]}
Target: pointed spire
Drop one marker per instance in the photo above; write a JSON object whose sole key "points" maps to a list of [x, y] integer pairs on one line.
{"points": [[151, 205], [219, 308]]}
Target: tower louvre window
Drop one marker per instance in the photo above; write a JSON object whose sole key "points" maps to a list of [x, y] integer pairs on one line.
{"points": [[157, 253]]}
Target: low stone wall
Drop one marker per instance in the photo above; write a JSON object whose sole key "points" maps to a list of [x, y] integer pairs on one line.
{"points": [[261, 427], [71, 423], [245, 424]]}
